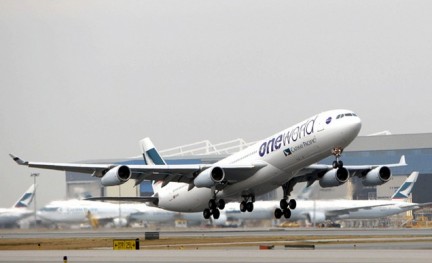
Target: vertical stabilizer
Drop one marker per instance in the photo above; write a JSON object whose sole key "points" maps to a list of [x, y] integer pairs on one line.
{"points": [[403, 192], [150, 154], [152, 157], [307, 192], [26, 198]]}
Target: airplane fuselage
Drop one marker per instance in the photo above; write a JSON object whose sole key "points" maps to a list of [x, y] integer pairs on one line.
{"points": [[281, 156]]}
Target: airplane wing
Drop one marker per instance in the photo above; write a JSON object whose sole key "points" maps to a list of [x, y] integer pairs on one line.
{"points": [[417, 206], [338, 212], [187, 173], [143, 199], [314, 172], [169, 173], [355, 169]]}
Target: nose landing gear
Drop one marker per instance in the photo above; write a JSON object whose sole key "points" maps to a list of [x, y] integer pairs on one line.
{"points": [[337, 152]]}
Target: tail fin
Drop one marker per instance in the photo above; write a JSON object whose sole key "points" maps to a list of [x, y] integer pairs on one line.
{"points": [[403, 192], [150, 154], [307, 191], [152, 157], [26, 198]]}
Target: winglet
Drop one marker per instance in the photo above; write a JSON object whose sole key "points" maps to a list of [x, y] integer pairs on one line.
{"points": [[402, 160], [18, 160]]}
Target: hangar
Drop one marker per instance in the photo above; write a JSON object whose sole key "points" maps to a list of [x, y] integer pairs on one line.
{"points": [[376, 149]]}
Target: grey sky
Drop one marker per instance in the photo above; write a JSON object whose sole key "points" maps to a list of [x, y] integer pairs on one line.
{"points": [[88, 79]]}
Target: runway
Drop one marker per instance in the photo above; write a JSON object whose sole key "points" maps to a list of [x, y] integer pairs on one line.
{"points": [[240, 245], [205, 232], [247, 256]]}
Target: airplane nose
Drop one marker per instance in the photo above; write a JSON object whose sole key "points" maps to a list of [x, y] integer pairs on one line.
{"points": [[354, 125]]}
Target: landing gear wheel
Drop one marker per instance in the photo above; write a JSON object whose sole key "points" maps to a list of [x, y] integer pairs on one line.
{"points": [[335, 164], [221, 204], [287, 213], [292, 204], [337, 152], [243, 206], [216, 213], [207, 213], [249, 206], [212, 204], [278, 213], [283, 204]]}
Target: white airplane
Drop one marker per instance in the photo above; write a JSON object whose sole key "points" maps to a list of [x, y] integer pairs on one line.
{"points": [[320, 211], [283, 159], [83, 211], [151, 214], [10, 216]]}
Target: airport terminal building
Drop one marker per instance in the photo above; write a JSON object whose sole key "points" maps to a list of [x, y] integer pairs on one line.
{"points": [[377, 149]]}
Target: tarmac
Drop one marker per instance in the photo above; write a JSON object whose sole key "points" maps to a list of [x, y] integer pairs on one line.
{"points": [[318, 245]]}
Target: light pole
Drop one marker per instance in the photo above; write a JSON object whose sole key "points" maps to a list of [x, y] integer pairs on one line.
{"points": [[34, 175]]}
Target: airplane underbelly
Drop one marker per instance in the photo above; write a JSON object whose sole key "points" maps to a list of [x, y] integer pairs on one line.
{"points": [[263, 181], [184, 200]]}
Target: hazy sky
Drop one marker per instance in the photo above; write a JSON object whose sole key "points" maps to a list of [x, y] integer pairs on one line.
{"points": [[89, 79]]}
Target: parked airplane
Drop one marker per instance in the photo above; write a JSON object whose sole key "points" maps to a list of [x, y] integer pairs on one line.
{"points": [[10, 216], [284, 159], [320, 211], [151, 214], [70, 212], [83, 211], [154, 214]]}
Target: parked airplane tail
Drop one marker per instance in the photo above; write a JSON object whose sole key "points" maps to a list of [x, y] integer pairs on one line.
{"points": [[26, 198], [403, 192], [307, 192], [151, 157]]}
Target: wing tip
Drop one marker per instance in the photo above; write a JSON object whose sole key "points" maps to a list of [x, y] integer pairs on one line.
{"points": [[402, 160], [18, 160]]}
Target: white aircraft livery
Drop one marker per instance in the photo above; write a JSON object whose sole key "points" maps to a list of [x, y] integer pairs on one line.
{"points": [[321, 211], [10, 216], [83, 211], [283, 159]]}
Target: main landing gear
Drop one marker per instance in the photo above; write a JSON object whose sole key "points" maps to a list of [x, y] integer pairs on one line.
{"points": [[286, 204], [247, 204], [213, 210], [337, 152]]}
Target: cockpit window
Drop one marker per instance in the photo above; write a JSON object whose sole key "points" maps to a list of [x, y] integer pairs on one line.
{"points": [[340, 116]]}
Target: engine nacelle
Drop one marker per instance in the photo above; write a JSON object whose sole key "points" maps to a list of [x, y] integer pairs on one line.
{"points": [[317, 217], [334, 177], [377, 176], [210, 177], [116, 176]]}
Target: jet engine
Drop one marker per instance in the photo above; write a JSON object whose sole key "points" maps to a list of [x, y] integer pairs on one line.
{"points": [[334, 177], [317, 217], [116, 176], [210, 177], [377, 176]]}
